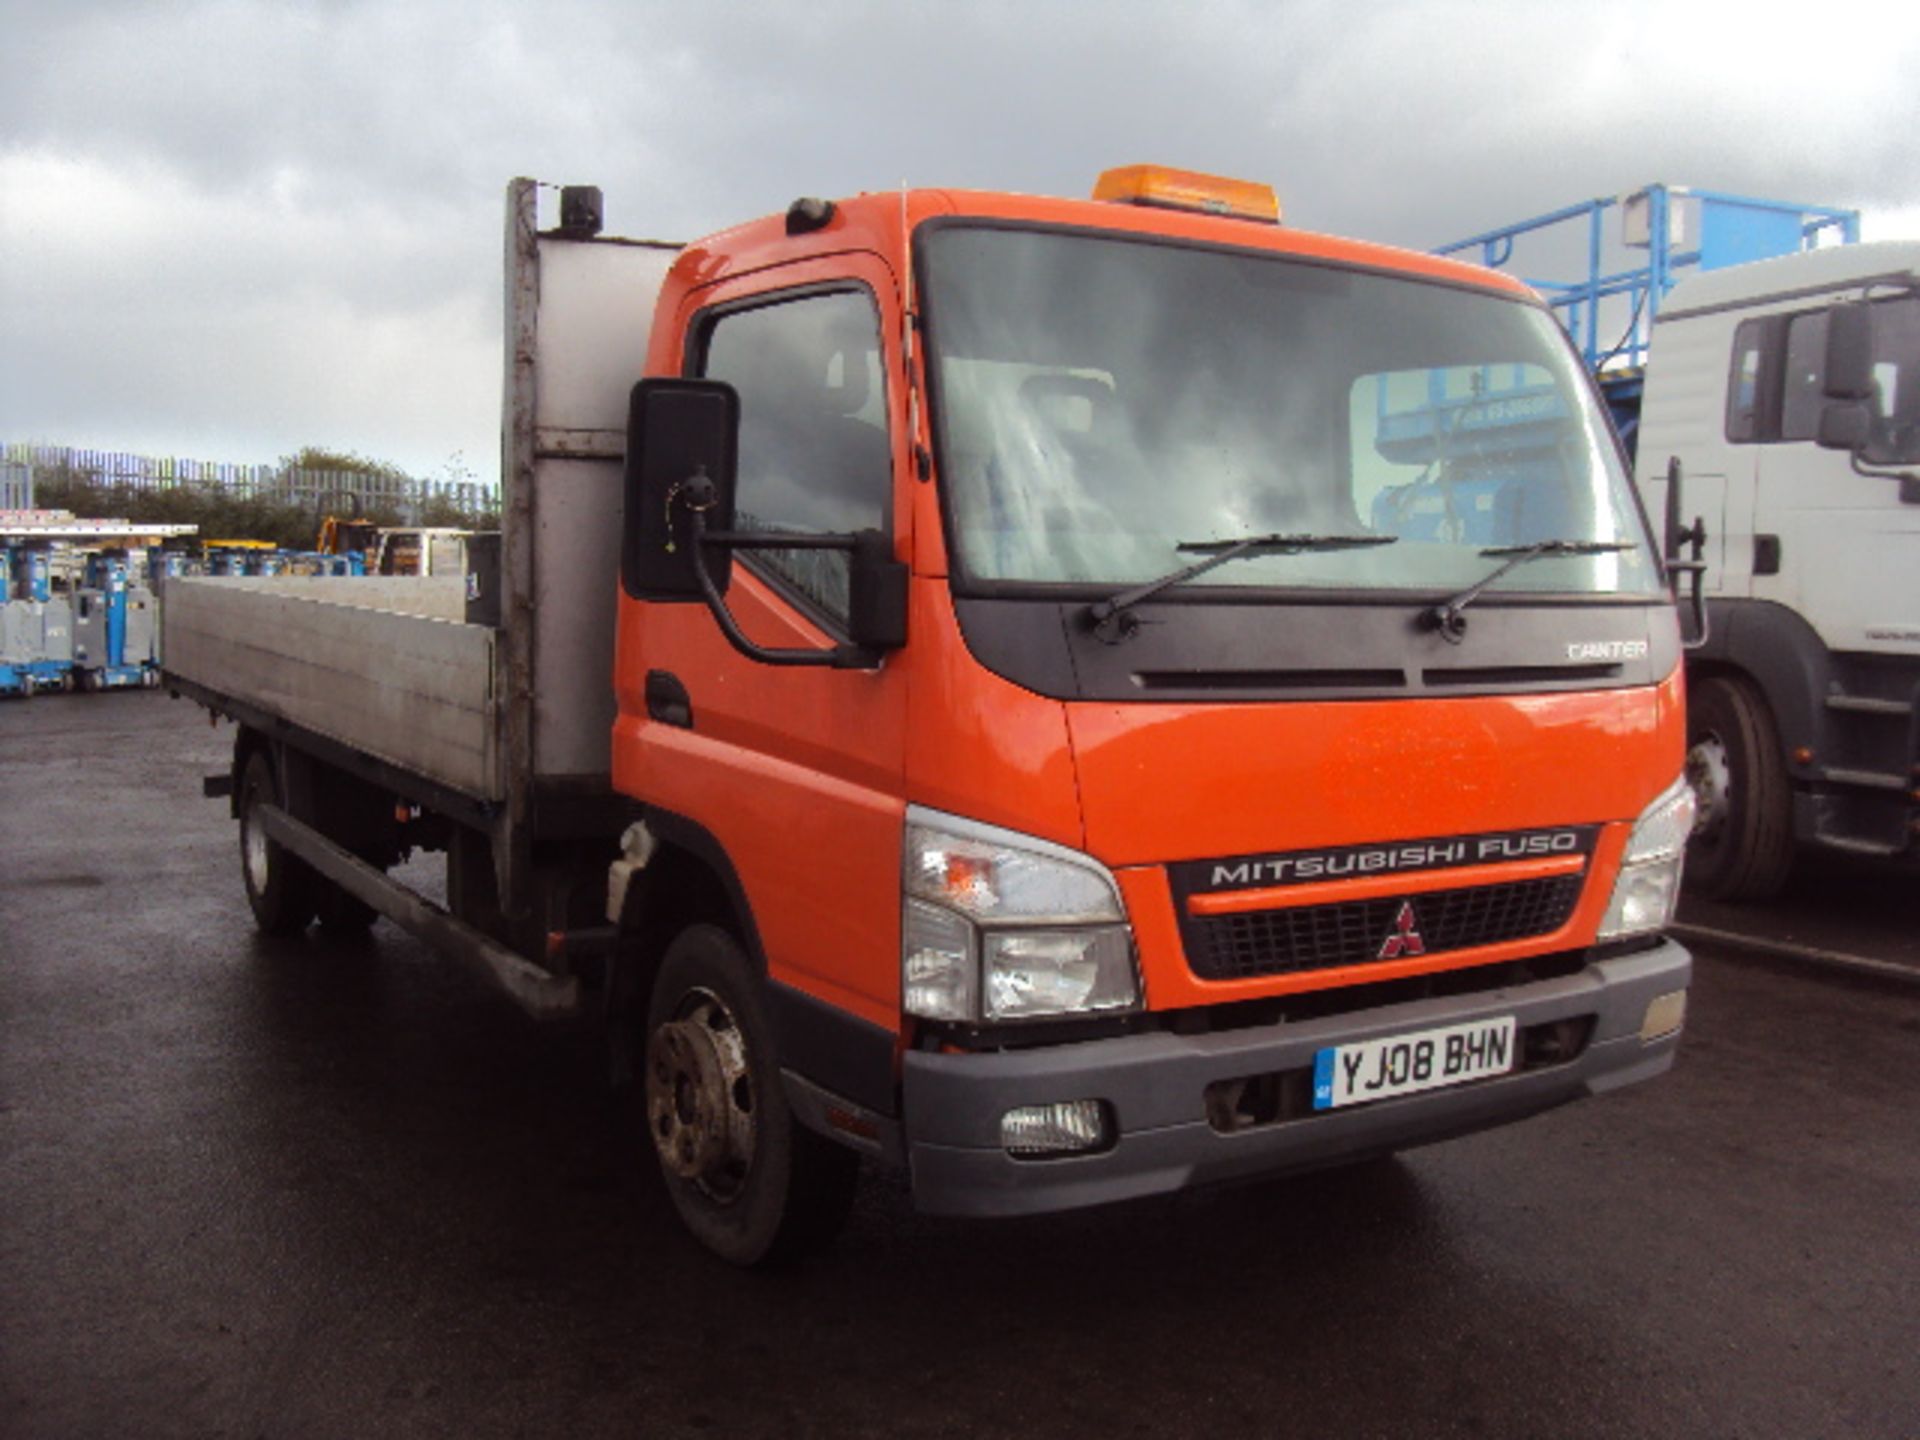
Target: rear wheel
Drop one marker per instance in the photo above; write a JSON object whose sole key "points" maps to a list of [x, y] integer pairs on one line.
{"points": [[280, 889], [751, 1183], [1742, 845]]}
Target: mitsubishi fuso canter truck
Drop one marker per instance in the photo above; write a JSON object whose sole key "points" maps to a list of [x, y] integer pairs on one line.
{"points": [[947, 694]]}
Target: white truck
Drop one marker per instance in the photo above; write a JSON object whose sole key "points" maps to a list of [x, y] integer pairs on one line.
{"points": [[1789, 392]]}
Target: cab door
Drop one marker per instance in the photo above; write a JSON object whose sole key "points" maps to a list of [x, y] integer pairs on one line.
{"points": [[797, 773]]}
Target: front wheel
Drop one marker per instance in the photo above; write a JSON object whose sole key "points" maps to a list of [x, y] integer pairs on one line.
{"points": [[751, 1183], [1742, 845], [280, 889]]}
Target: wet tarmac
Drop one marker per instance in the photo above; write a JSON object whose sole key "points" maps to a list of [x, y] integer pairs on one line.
{"points": [[254, 1188]]}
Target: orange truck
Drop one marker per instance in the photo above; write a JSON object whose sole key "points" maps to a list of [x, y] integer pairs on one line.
{"points": [[1039, 754]]}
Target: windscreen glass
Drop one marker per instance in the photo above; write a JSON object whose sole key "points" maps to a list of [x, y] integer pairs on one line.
{"points": [[1101, 402]]}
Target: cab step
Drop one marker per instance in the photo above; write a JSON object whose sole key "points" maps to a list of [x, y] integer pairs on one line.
{"points": [[1863, 779], [1857, 847], [1869, 705]]}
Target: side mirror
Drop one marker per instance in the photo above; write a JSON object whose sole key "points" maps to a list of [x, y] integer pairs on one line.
{"points": [[1849, 359], [683, 439], [1851, 420], [1845, 425], [678, 430]]}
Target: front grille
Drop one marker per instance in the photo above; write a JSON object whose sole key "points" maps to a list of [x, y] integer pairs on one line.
{"points": [[1321, 937]]}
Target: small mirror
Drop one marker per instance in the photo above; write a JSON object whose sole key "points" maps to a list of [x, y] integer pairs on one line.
{"points": [[677, 429], [1849, 367]]}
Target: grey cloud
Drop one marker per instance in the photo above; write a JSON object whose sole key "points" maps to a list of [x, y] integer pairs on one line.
{"points": [[333, 171]]}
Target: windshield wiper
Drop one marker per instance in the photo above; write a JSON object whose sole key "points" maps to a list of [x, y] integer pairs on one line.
{"points": [[1107, 616], [1445, 615]]}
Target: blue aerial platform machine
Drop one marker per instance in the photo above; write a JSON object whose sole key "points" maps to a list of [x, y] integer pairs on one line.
{"points": [[1576, 263]]}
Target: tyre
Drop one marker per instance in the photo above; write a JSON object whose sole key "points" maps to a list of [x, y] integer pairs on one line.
{"points": [[1742, 845], [752, 1184], [280, 889]]}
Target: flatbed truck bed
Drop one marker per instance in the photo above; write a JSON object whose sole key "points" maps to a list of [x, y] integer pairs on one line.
{"points": [[465, 713]]}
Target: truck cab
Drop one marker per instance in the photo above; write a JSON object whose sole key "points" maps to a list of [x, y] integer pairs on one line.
{"points": [[1061, 769]]}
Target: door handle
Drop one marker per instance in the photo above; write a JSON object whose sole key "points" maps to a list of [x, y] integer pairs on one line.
{"points": [[667, 699]]}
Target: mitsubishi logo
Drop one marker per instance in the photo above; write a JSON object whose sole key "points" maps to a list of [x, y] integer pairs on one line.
{"points": [[1405, 939]]}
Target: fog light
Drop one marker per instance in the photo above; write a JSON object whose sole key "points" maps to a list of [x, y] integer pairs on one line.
{"points": [[1664, 1015], [1070, 1127]]}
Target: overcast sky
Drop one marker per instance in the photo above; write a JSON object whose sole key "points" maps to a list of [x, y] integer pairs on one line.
{"points": [[231, 229]]}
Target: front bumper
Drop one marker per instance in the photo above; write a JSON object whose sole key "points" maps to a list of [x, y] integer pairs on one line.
{"points": [[1156, 1083]]}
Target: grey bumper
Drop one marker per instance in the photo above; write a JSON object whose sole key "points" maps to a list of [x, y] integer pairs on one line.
{"points": [[1156, 1083]]}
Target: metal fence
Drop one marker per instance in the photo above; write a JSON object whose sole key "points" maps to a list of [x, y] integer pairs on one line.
{"points": [[21, 465], [16, 485]]}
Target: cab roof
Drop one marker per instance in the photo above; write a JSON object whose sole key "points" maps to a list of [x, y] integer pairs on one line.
{"points": [[874, 221], [1799, 275]]}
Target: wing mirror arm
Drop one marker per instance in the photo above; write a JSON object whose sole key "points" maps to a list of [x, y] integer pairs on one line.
{"points": [[878, 599], [1847, 424], [1679, 570]]}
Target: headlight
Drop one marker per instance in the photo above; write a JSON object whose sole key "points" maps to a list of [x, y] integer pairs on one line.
{"points": [[1648, 886], [1001, 926]]}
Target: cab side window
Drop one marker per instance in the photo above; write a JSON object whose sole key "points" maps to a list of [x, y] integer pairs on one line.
{"points": [[814, 455], [1743, 385], [1757, 377], [1806, 376]]}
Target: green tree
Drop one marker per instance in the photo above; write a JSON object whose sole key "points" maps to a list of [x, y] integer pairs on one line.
{"points": [[343, 462], [229, 512]]}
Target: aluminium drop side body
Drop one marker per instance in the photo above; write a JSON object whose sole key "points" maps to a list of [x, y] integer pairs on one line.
{"points": [[484, 706], [1260, 872]]}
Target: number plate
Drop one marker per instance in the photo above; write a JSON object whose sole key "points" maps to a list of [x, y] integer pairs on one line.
{"points": [[1404, 1064]]}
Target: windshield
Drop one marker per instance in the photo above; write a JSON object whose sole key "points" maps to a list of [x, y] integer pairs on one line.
{"points": [[1101, 401]]}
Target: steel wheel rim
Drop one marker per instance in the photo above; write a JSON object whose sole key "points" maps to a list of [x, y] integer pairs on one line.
{"points": [[253, 851], [701, 1101], [1711, 776]]}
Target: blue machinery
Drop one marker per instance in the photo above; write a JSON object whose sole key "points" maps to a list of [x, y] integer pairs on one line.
{"points": [[36, 626], [1733, 229], [101, 636], [115, 637], [1730, 230], [229, 559]]}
